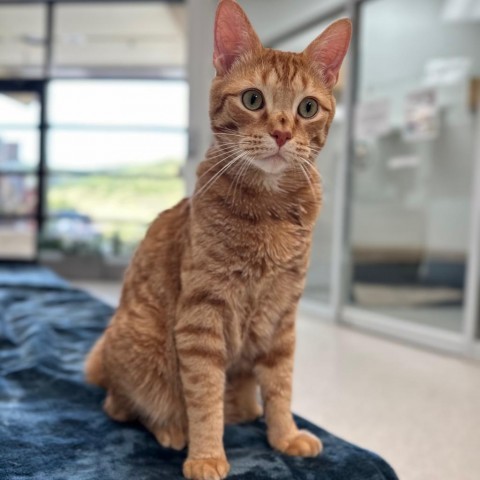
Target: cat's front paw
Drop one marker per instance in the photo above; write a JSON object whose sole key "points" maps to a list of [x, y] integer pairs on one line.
{"points": [[206, 469], [302, 444]]}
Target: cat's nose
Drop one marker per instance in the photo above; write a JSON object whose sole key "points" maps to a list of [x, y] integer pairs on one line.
{"points": [[281, 137]]}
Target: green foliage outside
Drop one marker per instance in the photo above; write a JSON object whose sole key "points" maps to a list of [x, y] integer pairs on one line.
{"points": [[121, 204]]}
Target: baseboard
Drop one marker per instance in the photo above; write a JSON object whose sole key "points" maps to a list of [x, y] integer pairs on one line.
{"points": [[397, 329]]}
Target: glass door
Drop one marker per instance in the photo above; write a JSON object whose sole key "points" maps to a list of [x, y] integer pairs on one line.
{"points": [[413, 161], [20, 168]]}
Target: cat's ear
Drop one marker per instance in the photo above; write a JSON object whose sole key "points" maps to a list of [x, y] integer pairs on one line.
{"points": [[328, 50], [233, 34]]}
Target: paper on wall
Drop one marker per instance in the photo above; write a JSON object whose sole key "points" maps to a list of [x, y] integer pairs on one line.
{"points": [[372, 119], [421, 115]]}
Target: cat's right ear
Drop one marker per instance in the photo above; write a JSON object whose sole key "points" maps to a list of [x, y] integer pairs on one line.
{"points": [[234, 36], [328, 50]]}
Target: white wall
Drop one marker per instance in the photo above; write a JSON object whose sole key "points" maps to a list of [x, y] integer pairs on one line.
{"points": [[271, 18]]}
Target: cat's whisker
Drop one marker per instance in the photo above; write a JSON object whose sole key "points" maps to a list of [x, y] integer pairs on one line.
{"points": [[236, 178], [240, 178], [219, 136], [228, 130], [226, 156], [308, 179], [307, 173], [233, 134], [213, 179], [233, 141], [225, 151], [221, 146], [306, 164], [208, 185], [213, 166], [242, 172], [226, 145]]}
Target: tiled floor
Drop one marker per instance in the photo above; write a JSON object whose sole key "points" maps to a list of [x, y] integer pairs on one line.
{"points": [[418, 409]]}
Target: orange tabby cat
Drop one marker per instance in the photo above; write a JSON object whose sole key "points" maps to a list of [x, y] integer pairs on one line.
{"points": [[208, 305]]}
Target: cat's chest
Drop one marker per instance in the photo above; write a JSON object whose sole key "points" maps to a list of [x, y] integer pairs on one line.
{"points": [[265, 248], [259, 313]]}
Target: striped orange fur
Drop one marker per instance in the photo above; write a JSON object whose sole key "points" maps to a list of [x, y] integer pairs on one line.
{"points": [[207, 311]]}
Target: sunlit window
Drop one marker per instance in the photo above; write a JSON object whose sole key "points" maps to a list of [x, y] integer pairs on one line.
{"points": [[115, 153]]}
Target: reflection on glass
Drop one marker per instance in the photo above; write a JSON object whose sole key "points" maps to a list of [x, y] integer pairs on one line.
{"points": [[413, 162], [18, 194], [22, 40], [318, 285], [18, 239]]}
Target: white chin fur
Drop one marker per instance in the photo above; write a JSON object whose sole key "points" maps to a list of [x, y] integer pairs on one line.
{"points": [[273, 165]]}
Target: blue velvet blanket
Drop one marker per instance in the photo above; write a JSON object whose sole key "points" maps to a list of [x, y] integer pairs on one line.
{"points": [[51, 423]]}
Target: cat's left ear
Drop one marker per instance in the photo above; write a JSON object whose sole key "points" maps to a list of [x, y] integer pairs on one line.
{"points": [[234, 36], [328, 50]]}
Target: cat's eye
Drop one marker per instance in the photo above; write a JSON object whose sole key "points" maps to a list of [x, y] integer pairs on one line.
{"points": [[252, 99], [308, 107]]}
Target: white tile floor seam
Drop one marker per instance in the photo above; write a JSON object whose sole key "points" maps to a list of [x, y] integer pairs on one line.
{"points": [[418, 409]]}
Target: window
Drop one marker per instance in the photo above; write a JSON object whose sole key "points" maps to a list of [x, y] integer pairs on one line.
{"points": [[115, 154]]}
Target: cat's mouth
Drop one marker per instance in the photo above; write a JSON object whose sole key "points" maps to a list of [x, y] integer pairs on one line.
{"points": [[272, 164]]}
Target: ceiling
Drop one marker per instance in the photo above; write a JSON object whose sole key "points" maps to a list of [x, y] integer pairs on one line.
{"points": [[90, 36]]}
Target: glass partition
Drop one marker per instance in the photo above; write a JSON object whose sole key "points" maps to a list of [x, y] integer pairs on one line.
{"points": [[412, 167]]}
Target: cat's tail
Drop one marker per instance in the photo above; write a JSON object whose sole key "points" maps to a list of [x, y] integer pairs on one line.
{"points": [[94, 367]]}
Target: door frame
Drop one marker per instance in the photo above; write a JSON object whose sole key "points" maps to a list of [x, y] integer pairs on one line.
{"points": [[471, 326]]}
